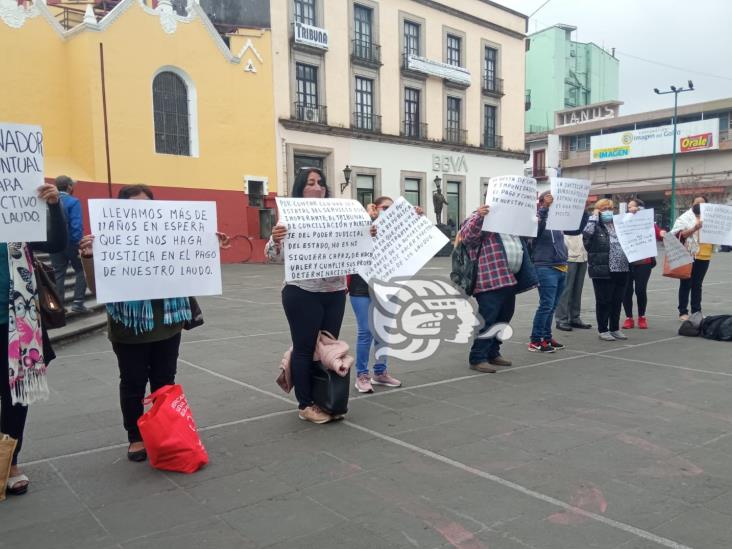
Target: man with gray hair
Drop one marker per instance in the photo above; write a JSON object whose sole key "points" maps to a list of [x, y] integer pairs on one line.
{"points": [[61, 261]]}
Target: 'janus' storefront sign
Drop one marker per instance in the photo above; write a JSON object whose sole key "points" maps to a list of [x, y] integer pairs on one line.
{"points": [[311, 36], [701, 135], [588, 113]]}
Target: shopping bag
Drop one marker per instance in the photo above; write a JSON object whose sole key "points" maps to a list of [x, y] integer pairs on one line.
{"points": [[169, 432], [7, 447], [682, 273]]}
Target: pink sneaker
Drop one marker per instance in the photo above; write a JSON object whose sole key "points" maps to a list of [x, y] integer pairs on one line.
{"points": [[386, 380], [363, 384]]}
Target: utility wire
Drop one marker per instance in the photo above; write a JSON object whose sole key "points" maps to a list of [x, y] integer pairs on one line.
{"points": [[537, 9], [673, 66]]}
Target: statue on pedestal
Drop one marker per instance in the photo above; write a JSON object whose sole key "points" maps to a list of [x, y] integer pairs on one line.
{"points": [[438, 200]]}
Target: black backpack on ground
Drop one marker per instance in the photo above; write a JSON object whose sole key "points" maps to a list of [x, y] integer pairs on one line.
{"points": [[717, 327], [692, 327]]}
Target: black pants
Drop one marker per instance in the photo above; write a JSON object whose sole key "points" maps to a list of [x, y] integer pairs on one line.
{"points": [[639, 276], [308, 313], [694, 285], [12, 418], [139, 363], [609, 294]]}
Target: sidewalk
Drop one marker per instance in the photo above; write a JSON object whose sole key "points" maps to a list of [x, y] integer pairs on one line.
{"points": [[604, 445]]}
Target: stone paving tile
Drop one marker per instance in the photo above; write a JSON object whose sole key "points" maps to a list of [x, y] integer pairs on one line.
{"points": [[650, 441]]}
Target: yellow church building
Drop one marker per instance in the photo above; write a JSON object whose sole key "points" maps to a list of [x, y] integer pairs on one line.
{"points": [[145, 91]]}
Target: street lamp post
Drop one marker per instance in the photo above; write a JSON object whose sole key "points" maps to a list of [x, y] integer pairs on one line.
{"points": [[676, 91]]}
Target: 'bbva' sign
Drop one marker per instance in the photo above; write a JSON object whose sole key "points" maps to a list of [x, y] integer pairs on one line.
{"points": [[311, 36]]}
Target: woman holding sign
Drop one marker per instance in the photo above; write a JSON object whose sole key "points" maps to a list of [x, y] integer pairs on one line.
{"points": [[311, 305], [145, 337], [687, 228], [26, 349], [640, 274], [609, 269]]}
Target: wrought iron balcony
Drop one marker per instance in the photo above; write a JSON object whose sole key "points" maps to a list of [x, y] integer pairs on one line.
{"points": [[366, 122], [415, 130], [317, 114], [493, 86], [492, 141], [456, 136], [365, 52]]}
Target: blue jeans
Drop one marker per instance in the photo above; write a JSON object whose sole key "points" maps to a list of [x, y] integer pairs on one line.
{"points": [[551, 286], [360, 306], [494, 306]]}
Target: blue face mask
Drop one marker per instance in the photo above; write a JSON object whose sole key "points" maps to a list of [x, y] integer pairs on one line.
{"points": [[606, 216]]}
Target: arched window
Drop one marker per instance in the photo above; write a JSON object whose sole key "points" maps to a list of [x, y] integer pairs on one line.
{"points": [[174, 114]]}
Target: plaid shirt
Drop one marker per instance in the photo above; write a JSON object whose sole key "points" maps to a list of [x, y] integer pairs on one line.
{"points": [[493, 271]]}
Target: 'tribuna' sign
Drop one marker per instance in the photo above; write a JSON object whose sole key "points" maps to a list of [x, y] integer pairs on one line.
{"points": [[311, 36]]}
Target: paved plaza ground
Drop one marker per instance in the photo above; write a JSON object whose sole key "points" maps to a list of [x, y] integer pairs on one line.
{"points": [[604, 445]]}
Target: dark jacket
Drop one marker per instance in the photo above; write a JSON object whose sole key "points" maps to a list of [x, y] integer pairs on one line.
{"points": [[357, 286], [57, 240], [598, 251], [526, 278], [549, 248]]}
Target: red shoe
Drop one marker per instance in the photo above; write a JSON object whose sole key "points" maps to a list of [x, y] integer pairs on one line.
{"points": [[642, 323], [629, 324]]}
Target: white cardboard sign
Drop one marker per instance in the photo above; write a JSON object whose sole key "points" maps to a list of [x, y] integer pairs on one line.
{"points": [[512, 201], [637, 234], [326, 237], [154, 249], [716, 224], [676, 253], [404, 243], [22, 213], [570, 197]]}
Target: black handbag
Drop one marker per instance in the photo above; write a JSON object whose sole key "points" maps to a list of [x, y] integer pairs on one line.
{"points": [[330, 391], [196, 315], [53, 314]]}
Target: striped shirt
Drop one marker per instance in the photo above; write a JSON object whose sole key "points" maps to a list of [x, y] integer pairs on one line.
{"points": [[494, 272]]}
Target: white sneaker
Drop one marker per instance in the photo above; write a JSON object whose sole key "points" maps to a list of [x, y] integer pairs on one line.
{"points": [[619, 335], [606, 336]]}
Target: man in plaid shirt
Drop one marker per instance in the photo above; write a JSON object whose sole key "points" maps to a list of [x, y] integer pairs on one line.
{"points": [[504, 270]]}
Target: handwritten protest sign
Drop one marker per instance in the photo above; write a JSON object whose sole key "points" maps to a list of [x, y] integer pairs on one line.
{"points": [[676, 253], [637, 234], [325, 237], [716, 224], [145, 249], [512, 201], [570, 197], [405, 242], [22, 213]]}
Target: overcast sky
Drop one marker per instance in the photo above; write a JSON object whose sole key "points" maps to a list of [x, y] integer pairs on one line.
{"points": [[693, 35]]}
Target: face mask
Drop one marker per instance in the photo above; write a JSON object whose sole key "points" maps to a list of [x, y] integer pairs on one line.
{"points": [[313, 191], [696, 208], [606, 216]]}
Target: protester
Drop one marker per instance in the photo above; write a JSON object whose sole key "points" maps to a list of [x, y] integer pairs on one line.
{"points": [[608, 268], [504, 270], [145, 337], [310, 305], [70, 256], [640, 273], [687, 228], [358, 290], [549, 254], [570, 304], [27, 351]]}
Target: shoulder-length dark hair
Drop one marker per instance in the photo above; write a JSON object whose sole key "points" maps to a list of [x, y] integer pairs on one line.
{"points": [[130, 191], [302, 180]]}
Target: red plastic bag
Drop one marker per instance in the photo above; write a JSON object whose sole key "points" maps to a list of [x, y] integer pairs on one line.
{"points": [[169, 432]]}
